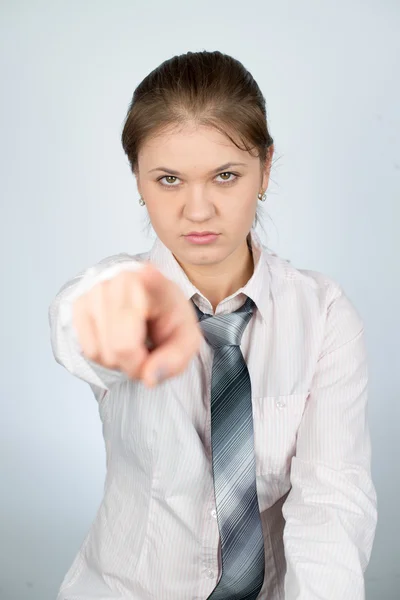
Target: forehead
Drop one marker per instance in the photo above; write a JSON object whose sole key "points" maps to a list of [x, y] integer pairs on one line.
{"points": [[190, 146]]}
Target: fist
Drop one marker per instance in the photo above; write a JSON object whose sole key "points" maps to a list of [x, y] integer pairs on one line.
{"points": [[139, 323]]}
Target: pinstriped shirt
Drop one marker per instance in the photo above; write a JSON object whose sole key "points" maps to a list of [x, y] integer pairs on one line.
{"points": [[155, 535]]}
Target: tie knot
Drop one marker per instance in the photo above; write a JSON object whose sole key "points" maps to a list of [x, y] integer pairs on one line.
{"points": [[225, 330]]}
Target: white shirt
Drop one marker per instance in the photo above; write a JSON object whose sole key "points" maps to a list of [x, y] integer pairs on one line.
{"points": [[155, 536]]}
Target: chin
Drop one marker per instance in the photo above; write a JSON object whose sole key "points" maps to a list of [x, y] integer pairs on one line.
{"points": [[200, 257]]}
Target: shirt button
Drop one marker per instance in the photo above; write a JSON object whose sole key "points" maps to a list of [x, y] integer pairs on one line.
{"points": [[214, 513], [281, 404], [210, 574]]}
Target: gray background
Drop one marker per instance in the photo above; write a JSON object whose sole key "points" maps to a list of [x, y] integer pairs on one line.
{"points": [[330, 74]]}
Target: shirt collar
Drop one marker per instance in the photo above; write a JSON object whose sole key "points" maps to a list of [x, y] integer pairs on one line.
{"points": [[257, 287]]}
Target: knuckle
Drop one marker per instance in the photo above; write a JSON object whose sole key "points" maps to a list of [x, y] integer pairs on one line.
{"points": [[127, 278], [178, 361], [109, 362], [92, 354], [96, 293], [122, 276], [131, 370], [123, 351]]}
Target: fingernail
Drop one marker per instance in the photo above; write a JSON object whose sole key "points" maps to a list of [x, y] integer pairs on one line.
{"points": [[159, 375]]}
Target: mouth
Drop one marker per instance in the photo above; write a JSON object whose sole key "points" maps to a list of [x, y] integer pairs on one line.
{"points": [[201, 237], [198, 233]]}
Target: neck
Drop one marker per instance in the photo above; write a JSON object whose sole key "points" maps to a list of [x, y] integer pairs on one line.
{"points": [[217, 282]]}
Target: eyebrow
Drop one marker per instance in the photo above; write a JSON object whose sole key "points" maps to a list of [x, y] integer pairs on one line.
{"points": [[219, 169]]}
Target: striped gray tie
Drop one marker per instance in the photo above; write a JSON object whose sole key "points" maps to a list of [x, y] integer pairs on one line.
{"points": [[233, 460]]}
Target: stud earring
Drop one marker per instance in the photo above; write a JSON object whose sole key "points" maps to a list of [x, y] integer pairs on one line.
{"points": [[141, 201], [262, 197]]}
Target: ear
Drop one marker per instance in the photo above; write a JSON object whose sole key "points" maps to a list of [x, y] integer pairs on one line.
{"points": [[136, 175], [266, 170]]}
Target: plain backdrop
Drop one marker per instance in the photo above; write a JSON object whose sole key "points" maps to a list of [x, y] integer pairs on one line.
{"points": [[330, 72]]}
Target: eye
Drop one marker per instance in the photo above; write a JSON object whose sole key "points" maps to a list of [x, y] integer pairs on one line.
{"points": [[171, 180], [227, 180], [169, 183]]}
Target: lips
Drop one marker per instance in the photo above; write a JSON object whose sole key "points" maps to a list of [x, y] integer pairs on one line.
{"points": [[201, 237], [200, 233]]}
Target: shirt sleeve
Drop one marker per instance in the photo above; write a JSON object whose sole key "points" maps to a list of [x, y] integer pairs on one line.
{"points": [[64, 342], [330, 511]]}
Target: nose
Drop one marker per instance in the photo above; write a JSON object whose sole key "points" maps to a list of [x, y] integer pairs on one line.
{"points": [[198, 206]]}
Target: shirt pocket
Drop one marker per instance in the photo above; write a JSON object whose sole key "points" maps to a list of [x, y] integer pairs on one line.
{"points": [[276, 420]]}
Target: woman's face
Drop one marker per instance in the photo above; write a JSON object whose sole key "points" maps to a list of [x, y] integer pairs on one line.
{"points": [[187, 184]]}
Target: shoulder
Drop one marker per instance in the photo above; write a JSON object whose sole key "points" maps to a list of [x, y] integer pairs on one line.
{"points": [[106, 268], [122, 257], [315, 295], [111, 265], [284, 272]]}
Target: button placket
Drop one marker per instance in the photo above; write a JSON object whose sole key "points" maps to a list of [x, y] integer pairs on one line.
{"points": [[211, 541]]}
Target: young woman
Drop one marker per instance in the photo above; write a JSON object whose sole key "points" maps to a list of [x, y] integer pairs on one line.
{"points": [[232, 386]]}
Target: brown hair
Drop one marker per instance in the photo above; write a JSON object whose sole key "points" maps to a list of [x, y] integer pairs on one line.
{"points": [[210, 88]]}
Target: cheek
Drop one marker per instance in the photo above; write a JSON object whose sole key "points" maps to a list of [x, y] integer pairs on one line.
{"points": [[159, 209], [241, 210], [163, 219]]}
